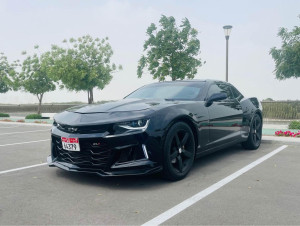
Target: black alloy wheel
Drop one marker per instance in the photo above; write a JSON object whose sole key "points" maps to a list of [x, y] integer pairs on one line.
{"points": [[179, 151], [255, 135]]}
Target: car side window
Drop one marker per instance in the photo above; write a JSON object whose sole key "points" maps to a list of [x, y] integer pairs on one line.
{"points": [[213, 89], [220, 88], [237, 95]]}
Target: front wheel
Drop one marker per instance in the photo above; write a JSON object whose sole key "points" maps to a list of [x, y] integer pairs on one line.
{"points": [[255, 134], [179, 152]]}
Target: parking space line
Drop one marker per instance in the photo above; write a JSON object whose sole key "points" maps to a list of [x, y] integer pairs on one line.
{"points": [[32, 131], [28, 142], [22, 168], [202, 194]]}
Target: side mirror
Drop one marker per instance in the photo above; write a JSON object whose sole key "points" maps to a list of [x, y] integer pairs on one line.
{"points": [[215, 97]]}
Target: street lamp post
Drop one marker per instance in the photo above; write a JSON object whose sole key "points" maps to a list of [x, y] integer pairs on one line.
{"points": [[227, 30]]}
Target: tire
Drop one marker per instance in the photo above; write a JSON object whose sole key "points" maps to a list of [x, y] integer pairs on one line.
{"points": [[255, 134], [179, 152]]}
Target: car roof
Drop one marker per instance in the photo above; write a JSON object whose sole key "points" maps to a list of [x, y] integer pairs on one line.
{"points": [[189, 80]]}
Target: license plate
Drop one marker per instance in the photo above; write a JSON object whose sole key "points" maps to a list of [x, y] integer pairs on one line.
{"points": [[70, 144]]}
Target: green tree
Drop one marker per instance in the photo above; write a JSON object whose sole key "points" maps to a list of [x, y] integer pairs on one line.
{"points": [[171, 51], [287, 59], [268, 99], [7, 72], [84, 64], [34, 77]]}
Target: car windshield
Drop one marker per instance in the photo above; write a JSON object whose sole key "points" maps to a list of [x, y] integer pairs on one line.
{"points": [[169, 91]]}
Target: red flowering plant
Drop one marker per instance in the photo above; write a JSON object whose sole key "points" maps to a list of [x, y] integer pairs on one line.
{"points": [[287, 133], [297, 134], [279, 133]]}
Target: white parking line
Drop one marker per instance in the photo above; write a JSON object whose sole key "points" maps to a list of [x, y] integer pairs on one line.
{"points": [[202, 194], [32, 131], [28, 142], [22, 168]]}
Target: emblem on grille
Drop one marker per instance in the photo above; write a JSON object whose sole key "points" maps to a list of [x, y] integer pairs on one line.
{"points": [[72, 129], [96, 144]]}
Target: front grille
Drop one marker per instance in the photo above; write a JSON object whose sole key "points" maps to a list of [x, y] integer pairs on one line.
{"points": [[84, 129], [89, 156]]}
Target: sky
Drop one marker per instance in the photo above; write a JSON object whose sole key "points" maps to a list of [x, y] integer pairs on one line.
{"points": [[25, 23]]}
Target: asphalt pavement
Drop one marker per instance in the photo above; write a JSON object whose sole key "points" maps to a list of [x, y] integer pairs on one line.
{"points": [[268, 193]]}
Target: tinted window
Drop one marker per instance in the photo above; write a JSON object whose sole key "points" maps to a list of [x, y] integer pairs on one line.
{"points": [[176, 91], [220, 88], [213, 89], [236, 93]]}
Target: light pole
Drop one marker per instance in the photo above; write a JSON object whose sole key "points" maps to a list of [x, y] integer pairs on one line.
{"points": [[227, 30]]}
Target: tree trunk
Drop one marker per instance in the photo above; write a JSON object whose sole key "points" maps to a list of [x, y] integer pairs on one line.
{"points": [[90, 96], [172, 75], [40, 97]]}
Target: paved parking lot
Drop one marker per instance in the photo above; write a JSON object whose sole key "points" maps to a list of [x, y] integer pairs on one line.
{"points": [[268, 193]]}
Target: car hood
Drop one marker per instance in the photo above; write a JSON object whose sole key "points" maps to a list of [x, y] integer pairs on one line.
{"points": [[114, 111], [117, 106]]}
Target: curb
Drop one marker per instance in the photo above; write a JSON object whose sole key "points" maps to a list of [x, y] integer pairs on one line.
{"points": [[25, 124], [285, 139]]}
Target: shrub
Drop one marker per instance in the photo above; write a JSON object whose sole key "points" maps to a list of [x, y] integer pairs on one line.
{"points": [[6, 120], [40, 122], [4, 115], [33, 116], [21, 120], [294, 125]]}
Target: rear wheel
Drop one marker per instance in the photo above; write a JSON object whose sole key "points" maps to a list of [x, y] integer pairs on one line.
{"points": [[179, 152], [254, 138]]}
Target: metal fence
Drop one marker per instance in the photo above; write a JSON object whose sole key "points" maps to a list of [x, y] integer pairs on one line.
{"points": [[281, 109], [271, 109]]}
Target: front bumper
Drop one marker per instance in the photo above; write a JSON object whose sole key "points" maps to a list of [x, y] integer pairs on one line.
{"points": [[136, 154], [142, 167]]}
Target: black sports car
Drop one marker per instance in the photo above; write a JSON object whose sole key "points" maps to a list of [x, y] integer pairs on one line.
{"points": [[159, 127]]}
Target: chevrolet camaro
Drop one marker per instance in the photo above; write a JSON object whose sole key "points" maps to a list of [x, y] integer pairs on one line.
{"points": [[161, 127]]}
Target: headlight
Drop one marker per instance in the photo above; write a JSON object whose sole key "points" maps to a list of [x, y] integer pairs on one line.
{"points": [[140, 124], [130, 127]]}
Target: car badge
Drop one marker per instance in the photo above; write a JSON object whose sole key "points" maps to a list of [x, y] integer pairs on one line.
{"points": [[72, 129], [96, 144]]}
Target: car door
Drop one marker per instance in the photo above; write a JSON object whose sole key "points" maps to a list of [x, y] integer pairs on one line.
{"points": [[225, 116]]}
